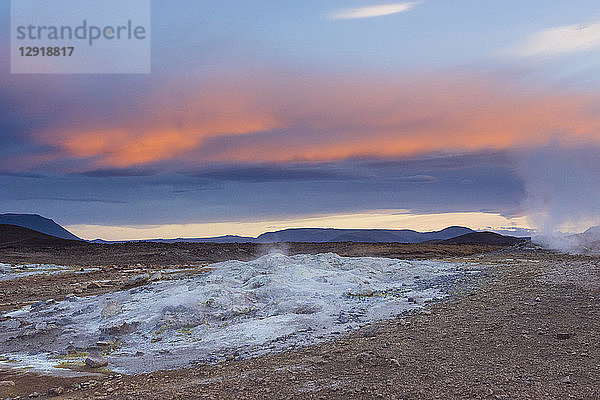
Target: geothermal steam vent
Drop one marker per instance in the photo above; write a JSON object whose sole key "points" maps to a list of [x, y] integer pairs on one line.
{"points": [[237, 308]]}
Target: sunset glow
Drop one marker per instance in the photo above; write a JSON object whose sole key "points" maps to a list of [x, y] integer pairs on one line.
{"points": [[277, 113]]}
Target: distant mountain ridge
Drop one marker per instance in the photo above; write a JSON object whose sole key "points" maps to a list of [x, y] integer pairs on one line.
{"points": [[30, 229], [322, 235], [360, 235], [37, 223]]}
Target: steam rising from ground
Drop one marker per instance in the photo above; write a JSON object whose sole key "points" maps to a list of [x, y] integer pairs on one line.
{"points": [[563, 196]]}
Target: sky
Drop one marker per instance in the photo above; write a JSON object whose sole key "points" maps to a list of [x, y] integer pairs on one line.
{"points": [[263, 115]]}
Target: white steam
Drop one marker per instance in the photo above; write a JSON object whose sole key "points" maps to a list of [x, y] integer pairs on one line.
{"points": [[563, 196]]}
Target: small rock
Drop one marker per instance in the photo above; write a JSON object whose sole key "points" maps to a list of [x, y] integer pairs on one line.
{"points": [[563, 335], [361, 358], [157, 276], [41, 326], [7, 383], [34, 394], [96, 360], [138, 280], [93, 285], [111, 309], [57, 391], [369, 332], [122, 329], [566, 379], [412, 300]]}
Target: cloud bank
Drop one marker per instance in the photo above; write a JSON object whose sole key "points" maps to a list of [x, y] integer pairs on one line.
{"points": [[372, 11], [558, 41], [258, 118]]}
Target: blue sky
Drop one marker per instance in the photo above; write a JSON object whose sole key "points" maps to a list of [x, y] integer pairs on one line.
{"points": [[262, 114]]}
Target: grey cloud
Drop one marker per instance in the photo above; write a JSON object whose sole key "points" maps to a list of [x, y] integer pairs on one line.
{"points": [[76, 200], [273, 173], [116, 172]]}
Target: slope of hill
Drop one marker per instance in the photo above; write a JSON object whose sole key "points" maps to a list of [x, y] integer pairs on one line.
{"points": [[587, 242], [13, 235], [490, 238], [37, 223]]}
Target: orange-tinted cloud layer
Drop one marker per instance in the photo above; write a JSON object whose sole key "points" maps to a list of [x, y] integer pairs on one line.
{"points": [[322, 118]]}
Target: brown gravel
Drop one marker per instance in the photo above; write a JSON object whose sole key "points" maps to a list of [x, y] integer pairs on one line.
{"points": [[525, 329], [162, 254]]}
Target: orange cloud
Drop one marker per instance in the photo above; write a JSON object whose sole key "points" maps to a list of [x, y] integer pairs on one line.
{"points": [[119, 148], [281, 119], [426, 116], [165, 132]]}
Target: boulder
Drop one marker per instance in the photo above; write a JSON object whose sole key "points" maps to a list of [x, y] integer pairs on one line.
{"points": [[138, 280], [96, 360]]}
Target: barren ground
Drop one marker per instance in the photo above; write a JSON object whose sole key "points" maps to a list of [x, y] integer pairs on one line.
{"points": [[526, 328]]}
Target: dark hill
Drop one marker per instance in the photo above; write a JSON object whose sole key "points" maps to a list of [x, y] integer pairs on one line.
{"points": [[12, 235], [490, 238], [360, 235], [37, 223]]}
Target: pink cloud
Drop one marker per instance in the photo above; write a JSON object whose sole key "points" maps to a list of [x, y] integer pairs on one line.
{"points": [[284, 118]]}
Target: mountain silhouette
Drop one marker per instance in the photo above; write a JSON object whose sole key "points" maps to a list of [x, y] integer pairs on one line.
{"points": [[37, 223]]}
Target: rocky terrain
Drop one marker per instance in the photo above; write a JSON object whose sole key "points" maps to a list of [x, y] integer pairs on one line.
{"points": [[178, 316], [525, 327], [117, 263]]}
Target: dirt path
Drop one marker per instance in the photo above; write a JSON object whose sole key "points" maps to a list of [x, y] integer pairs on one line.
{"points": [[528, 330]]}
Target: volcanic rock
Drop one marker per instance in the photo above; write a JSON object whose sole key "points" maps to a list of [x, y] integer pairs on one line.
{"points": [[96, 360]]}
